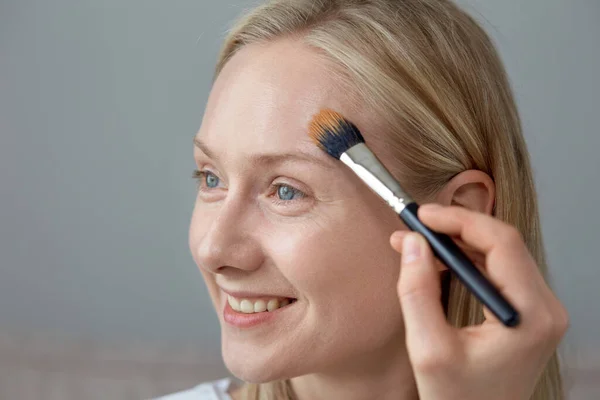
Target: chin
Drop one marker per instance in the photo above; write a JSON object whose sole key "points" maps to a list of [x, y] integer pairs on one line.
{"points": [[258, 364], [253, 370]]}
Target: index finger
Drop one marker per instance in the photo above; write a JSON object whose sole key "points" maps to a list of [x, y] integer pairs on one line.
{"points": [[508, 261]]}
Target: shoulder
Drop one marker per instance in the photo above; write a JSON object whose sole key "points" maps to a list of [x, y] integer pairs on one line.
{"points": [[215, 390]]}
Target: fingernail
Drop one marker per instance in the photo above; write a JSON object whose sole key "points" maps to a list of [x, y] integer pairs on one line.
{"points": [[411, 248], [398, 235]]}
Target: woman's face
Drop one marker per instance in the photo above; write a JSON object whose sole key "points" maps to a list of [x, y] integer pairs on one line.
{"points": [[277, 218]]}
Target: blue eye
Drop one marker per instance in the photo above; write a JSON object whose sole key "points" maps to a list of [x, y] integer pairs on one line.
{"points": [[211, 180], [288, 193]]}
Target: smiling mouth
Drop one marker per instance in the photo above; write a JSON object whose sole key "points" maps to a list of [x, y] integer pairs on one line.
{"points": [[247, 306]]}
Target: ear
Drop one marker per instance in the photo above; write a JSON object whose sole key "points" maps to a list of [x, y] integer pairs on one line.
{"points": [[471, 189]]}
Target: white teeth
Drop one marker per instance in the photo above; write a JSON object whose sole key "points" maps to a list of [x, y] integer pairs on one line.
{"points": [[234, 303], [246, 306], [272, 305], [260, 306]]}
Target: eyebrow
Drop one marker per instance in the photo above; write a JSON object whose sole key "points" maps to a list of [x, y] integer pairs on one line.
{"points": [[270, 159]]}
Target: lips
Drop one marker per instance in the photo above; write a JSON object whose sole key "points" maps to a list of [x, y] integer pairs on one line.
{"points": [[246, 310], [250, 306]]}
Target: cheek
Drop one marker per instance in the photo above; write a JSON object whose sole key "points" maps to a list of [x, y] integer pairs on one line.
{"points": [[346, 261], [345, 272]]}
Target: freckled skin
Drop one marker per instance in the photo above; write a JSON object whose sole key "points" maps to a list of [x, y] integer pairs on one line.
{"points": [[330, 249]]}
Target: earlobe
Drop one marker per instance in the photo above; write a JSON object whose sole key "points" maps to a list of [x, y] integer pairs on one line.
{"points": [[472, 189]]}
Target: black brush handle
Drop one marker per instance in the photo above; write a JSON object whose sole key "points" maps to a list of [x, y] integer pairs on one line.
{"points": [[446, 250]]}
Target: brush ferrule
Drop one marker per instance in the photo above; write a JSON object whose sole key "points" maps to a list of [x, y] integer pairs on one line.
{"points": [[368, 167]]}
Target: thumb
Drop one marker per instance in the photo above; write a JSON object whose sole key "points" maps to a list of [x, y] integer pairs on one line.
{"points": [[419, 292]]}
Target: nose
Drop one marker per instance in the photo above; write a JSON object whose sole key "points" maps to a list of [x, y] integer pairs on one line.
{"points": [[226, 238]]}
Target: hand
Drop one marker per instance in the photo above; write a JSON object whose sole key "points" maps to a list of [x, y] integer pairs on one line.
{"points": [[488, 361]]}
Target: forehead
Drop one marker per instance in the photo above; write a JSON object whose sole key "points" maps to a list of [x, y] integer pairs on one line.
{"points": [[265, 98]]}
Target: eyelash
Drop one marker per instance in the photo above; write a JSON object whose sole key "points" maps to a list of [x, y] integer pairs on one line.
{"points": [[300, 195], [200, 177]]}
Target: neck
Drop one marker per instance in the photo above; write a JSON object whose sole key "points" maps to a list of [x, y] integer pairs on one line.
{"points": [[385, 374]]}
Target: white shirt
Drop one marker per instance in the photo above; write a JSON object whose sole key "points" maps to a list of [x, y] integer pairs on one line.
{"points": [[216, 390]]}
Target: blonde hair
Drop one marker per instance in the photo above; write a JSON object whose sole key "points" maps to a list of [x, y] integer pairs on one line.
{"points": [[431, 74]]}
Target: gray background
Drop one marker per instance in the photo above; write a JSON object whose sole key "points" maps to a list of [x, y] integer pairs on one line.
{"points": [[99, 102]]}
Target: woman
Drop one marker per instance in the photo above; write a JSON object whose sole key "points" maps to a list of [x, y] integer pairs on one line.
{"points": [[320, 290]]}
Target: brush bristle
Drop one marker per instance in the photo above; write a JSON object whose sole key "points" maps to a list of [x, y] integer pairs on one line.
{"points": [[333, 133]]}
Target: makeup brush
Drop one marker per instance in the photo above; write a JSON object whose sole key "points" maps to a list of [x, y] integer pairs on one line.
{"points": [[341, 139]]}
